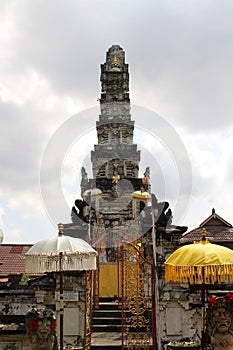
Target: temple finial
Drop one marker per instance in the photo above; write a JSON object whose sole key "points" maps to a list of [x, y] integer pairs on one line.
{"points": [[60, 229], [203, 238]]}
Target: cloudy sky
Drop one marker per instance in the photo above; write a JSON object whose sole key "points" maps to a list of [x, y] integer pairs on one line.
{"points": [[180, 54]]}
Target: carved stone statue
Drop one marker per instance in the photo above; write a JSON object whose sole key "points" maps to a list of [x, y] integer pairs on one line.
{"points": [[219, 322], [84, 180], [103, 135], [146, 179], [81, 213], [164, 215], [41, 329]]}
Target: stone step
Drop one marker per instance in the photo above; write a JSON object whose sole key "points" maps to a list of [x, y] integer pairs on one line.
{"points": [[106, 320], [113, 347], [108, 328], [105, 312], [102, 340], [105, 347], [108, 305]]}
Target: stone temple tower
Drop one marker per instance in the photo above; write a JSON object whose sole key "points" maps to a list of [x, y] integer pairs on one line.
{"points": [[107, 196], [115, 158], [115, 152], [118, 215]]}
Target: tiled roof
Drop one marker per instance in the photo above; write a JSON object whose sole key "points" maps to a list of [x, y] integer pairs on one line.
{"points": [[214, 234], [217, 230], [12, 258], [215, 218]]}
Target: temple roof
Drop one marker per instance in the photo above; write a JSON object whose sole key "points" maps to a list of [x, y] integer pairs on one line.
{"points": [[218, 230], [12, 259]]}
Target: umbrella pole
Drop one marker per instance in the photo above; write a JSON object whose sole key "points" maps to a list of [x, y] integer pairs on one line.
{"points": [[89, 223], [61, 300], [203, 309]]}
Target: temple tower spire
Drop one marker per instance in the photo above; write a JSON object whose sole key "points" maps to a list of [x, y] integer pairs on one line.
{"points": [[114, 77], [115, 128]]}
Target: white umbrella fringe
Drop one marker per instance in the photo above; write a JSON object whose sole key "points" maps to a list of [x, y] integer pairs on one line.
{"points": [[51, 262], [61, 252]]}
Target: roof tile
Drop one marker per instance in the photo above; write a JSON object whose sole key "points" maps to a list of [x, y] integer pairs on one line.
{"points": [[12, 258]]}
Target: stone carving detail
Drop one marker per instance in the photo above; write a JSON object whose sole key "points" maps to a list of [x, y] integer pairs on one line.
{"points": [[220, 322], [84, 180], [82, 213], [103, 135], [85, 209], [127, 135], [161, 211], [115, 57], [115, 110], [115, 134], [146, 178], [41, 329]]}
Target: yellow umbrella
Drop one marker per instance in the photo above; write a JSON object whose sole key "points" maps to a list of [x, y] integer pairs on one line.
{"points": [[141, 195], [199, 263]]}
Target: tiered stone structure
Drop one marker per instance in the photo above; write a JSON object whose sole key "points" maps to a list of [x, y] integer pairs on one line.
{"points": [[115, 153], [112, 217], [115, 162], [115, 157]]}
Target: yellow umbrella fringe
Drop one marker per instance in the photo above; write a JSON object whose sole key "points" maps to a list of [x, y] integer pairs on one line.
{"points": [[194, 274]]}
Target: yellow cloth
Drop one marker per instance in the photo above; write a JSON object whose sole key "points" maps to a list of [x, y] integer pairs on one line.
{"points": [[108, 280], [200, 262]]}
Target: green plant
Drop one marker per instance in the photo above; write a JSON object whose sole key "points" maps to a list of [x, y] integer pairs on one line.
{"points": [[184, 343]]}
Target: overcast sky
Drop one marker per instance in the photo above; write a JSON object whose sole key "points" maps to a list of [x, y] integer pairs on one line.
{"points": [[180, 57]]}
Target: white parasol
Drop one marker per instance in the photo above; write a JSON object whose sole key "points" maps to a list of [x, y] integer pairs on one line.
{"points": [[59, 254], [44, 256]]}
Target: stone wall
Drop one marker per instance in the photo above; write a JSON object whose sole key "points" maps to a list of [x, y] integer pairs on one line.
{"points": [[179, 308], [14, 342], [16, 301]]}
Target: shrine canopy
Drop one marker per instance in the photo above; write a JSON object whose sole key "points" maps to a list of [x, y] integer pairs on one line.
{"points": [[141, 195], [60, 253], [200, 262]]}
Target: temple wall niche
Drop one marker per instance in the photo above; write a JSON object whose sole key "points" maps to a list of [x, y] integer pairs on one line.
{"points": [[178, 321]]}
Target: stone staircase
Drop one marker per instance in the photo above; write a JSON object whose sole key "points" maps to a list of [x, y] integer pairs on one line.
{"points": [[106, 326]]}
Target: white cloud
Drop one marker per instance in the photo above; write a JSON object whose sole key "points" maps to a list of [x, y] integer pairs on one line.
{"points": [[27, 203], [7, 24], [13, 234]]}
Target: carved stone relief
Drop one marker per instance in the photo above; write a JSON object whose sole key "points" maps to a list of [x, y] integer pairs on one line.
{"points": [[219, 322], [41, 329]]}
